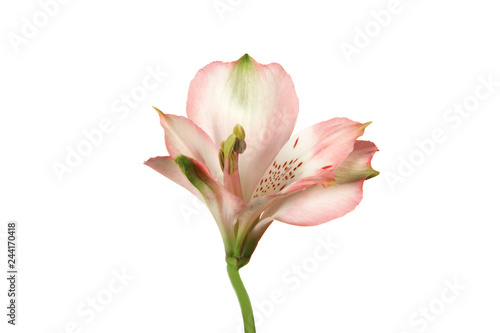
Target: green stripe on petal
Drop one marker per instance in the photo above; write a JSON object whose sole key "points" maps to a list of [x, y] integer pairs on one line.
{"points": [[260, 98], [224, 206], [244, 81], [189, 170], [357, 165]]}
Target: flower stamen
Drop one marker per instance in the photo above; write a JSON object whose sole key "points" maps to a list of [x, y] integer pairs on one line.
{"points": [[234, 144], [229, 152]]}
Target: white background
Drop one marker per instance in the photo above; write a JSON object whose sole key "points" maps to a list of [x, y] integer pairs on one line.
{"points": [[418, 226]]}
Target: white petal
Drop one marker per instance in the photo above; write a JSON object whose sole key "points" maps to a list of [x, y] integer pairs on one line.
{"points": [[261, 98]]}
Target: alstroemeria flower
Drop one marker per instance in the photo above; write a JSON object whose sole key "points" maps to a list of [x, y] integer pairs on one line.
{"points": [[234, 151]]}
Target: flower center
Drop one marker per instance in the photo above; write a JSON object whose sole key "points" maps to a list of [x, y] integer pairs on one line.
{"points": [[278, 176]]}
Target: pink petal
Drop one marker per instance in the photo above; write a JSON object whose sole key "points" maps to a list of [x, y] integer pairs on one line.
{"points": [[182, 136], [259, 97], [358, 164], [224, 206], [316, 205], [167, 167], [310, 157]]}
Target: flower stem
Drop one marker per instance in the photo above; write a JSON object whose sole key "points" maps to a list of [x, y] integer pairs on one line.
{"points": [[241, 293]]}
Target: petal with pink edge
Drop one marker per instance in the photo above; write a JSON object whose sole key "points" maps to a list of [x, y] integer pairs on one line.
{"points": [[316, 204], [167, 167], [196, 177], [358, 164], [261, 98], [310, 157], [224, 205], [182, 136]]}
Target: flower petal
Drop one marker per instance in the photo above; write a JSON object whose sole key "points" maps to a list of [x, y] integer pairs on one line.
{"points": [[316, 205], [196, 177], [224, 205], [182, 136], [166, 166], [310, 157], [358, 164], [261, 98]]}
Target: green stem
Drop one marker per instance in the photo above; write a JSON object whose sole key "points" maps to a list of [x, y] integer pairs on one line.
{"points": [[246, 306]]}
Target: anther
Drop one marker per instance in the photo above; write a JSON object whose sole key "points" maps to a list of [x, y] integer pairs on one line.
{"points": [[234, 144]]}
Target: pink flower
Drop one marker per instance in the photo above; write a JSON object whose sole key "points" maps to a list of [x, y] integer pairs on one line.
{"points": [[260, 174], [234, 152]]}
